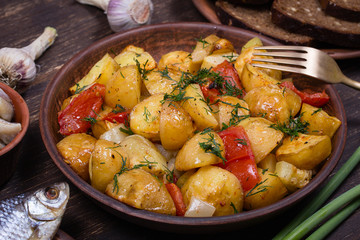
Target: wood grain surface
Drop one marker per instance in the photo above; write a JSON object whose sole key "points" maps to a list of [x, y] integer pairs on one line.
{"points": [[78, 26]]}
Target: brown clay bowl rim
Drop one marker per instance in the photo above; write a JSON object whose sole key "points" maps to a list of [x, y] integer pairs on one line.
{"points": [[20, 106], [155, 219]]}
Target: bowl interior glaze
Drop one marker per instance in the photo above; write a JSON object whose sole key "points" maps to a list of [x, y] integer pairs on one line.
{"points": [[158, 40]]}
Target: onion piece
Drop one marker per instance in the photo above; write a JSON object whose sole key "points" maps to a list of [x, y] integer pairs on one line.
{"points": [[199, 208]]}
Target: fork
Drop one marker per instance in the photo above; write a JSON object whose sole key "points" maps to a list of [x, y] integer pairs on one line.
{"points": [[304, 60]]}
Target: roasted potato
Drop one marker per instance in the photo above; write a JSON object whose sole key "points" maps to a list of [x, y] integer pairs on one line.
{"points": [[194, 155], [304, 151], [101, 72], [143, 153], [263, 139], [252, 77], [176, 126], [275, 103], [137, 57], [222, 46], [76, 151], [269, 190], [177, 60], [145, 117], [101, 126], [320, 122], [268, 163], [141, 190], [229, 107], [198, 109], [293, 177], [213, 60], [162, 81], [246, 57], [106, 160], [203, 48], [216, 186]]}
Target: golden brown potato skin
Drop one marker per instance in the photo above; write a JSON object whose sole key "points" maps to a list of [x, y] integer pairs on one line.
{"points": [[145, 117], [263, 139], [106, 160], [252, 77], [141, 190], [320, 122], [226, 109], [191, 155], [277, 103], [258, 197], [142, 151], [76, 150], [176, 126], [305, 151], [158, 83], [292, 177], [216, 186], [177, 60]]}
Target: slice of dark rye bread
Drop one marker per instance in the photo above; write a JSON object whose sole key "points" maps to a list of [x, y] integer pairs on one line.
{"points": [[348, 10], [306, 17], [257, 19]]}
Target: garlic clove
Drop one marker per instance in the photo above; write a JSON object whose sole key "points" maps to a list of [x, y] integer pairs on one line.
{"points": [[8, 130], [6, 109], [126, 14]]}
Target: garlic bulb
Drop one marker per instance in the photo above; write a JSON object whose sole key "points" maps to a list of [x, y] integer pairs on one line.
{"points": [[17, 66], [124, 14]]}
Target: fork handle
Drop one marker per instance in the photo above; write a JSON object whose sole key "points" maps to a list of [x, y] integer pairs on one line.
{"points": [[351, 83]]}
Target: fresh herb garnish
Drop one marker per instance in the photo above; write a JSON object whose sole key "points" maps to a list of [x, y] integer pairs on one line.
{"points": [[241, 141], [316, 111], [142, 69], [293, 127], [233, 206], [258, 188], [203, 41], [79, 89], [211, 146]]}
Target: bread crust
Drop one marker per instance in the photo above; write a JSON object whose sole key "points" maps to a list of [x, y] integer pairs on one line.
{"points": [[336, 36], [341, 11]]}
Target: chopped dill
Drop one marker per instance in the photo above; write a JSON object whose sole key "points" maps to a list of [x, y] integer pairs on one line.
{"points": [[79, 89], [241, 141], [231, 58], [293, 127], [203, 41], [233, 206], [258, 188], [316, 111], [142, 69], [211, 146]]}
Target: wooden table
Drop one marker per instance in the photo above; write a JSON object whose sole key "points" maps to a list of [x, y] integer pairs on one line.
{"points": [[79, 26]]}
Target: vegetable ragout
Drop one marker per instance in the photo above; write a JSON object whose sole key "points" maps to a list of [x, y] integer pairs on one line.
{"points": [[195, 134]]}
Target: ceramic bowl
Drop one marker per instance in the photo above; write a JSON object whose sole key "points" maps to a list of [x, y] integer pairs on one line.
{"points": [[158, 40], [9, 154]]}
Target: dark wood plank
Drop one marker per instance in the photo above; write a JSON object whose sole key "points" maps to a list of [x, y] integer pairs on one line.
{"points": [[79, 26]]}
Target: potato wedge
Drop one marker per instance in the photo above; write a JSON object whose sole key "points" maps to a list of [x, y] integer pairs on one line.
{"points": [[198, 109], [141, 190], [217, 187], [222, 46], [268, 163], [76, 151], [203, 48], [177, 60], [176, 126], [145, 117], [135, 57], [106, 160], [213, 60], [101, 72], [293, 177], [278, 104], [269, 190], [142, 152], [162, 81], [246, 57], [263, 139], [305, 151], [229, 107], [194, 155], [100, 126], [320, 122], [124, 88]]}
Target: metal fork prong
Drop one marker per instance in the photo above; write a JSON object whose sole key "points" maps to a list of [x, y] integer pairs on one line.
{"points": [[280, 67], [288, 48], [281, 54], [281, 61]]}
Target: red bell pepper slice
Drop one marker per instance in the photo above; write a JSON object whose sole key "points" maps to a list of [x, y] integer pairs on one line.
{"points": [[231, 77], [119, 117], [316, 99], [177, 197], [239, 156], [87, 104]]}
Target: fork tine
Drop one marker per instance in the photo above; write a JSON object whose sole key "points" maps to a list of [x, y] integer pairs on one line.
{"points": [[281, 54], [281, 61], [293, 69], [282, 47]]}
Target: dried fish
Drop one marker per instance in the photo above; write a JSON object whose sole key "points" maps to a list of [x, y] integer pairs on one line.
{"points": [[35, 215]]}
